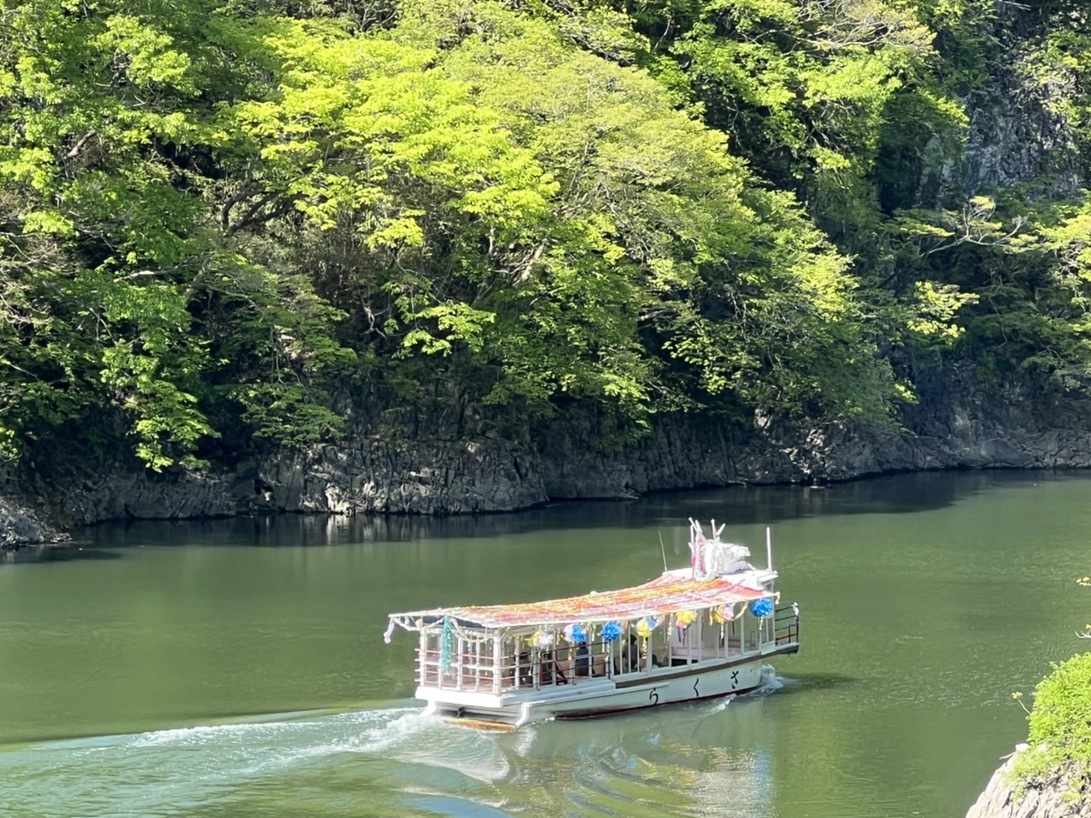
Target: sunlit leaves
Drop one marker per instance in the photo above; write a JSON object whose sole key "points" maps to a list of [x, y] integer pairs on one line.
{"points": [[144, 56], [935, 308], [207, 214]]}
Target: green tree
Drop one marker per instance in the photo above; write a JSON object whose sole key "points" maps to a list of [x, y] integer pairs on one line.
{"points": [[110, 250]]}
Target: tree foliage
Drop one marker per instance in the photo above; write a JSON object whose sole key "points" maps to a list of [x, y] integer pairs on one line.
{"points": [[233, 220]]}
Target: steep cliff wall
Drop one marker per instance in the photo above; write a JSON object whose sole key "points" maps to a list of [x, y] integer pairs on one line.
{"points": [[1019, 131], [959, 423]]}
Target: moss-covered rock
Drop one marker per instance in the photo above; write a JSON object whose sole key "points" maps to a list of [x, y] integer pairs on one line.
{"points": [[1051, 776]]}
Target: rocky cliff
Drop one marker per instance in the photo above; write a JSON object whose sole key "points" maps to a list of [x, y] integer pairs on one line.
{"points": [[21, 526], [959, 423], [1060, 797]]}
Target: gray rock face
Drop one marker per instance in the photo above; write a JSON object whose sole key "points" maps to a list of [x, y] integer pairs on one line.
{"points": [[81, 493], [1018, 130], [418, 477], [959, 423], [1059, 798], [20, 526]]}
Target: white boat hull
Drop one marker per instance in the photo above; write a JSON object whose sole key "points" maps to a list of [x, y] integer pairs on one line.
{"points": [[594, 697]]}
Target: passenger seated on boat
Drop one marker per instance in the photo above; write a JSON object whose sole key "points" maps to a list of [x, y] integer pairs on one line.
{"points": [[583, 660], [643, 657], [630, 657]]}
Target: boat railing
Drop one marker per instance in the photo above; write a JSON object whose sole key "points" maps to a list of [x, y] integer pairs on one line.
{"points": [[477, 670], [786, 625], [467, 671]]}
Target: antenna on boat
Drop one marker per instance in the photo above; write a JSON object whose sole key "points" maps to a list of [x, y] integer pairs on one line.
{"points": [[768, 549], [663, 549]]}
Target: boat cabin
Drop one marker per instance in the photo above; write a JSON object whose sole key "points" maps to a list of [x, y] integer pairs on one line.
{"points": [[462, 656], [567, 657]]}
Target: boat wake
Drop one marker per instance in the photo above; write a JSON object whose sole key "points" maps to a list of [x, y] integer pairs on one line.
{"points": [[395, 761], [181, 770]]}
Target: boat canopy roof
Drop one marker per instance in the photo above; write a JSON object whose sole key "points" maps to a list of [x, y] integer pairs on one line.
{"points": [[670, 593]]}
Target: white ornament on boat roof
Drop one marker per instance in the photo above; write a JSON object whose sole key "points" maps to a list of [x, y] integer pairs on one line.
{"points": [[714, 557]]}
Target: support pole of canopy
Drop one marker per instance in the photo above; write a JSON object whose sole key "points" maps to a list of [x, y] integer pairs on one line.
{"points": [[461, 663], [699, 622], [477, 664], [423, 657]]}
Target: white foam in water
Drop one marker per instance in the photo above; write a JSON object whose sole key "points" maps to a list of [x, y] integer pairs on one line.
{"points": [[770, 682], [203, 735], [390, 733], [435, 743], [264, 747], [524, 739], [146, 774]]}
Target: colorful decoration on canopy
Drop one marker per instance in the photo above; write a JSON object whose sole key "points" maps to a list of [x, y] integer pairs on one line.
{"points": [[661, 597], [445, 645], [685, 618], [697, 545], [543, 639], [723, 614], [575, 633], [644, 627], [611, 631], [762, 607]]}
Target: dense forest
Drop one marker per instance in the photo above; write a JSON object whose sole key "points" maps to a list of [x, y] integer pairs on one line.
{"points": [[235, 223]]}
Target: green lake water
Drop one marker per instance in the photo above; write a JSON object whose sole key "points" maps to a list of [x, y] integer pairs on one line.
{"points": [[237, 667]]}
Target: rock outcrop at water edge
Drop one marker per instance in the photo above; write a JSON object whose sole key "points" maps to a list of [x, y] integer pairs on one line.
{"points": [[1060, 797], [20, 526]]}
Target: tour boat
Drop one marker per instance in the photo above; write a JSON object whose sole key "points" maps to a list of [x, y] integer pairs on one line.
{"points": [[694, 633]]}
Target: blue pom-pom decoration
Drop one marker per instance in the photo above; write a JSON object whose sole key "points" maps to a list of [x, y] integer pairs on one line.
{"points": [[611, 631], [762, 607]]}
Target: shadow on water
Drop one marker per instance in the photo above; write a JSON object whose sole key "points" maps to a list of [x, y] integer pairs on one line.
{"points": [[53, 553], [741, 505]]}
